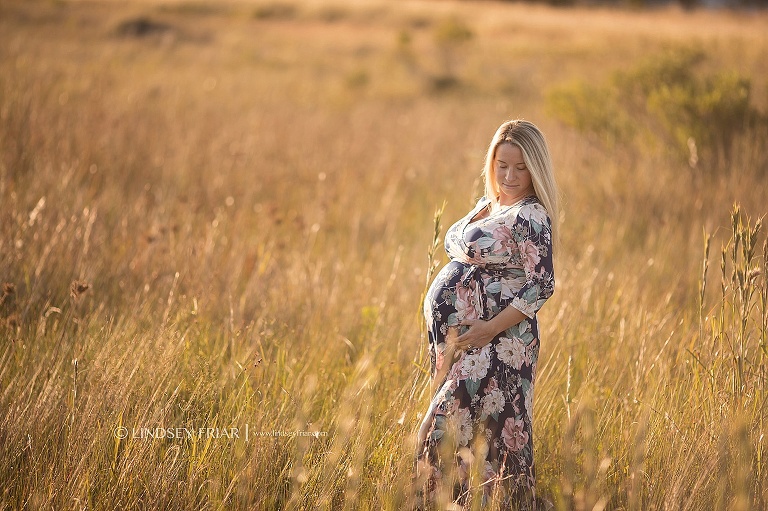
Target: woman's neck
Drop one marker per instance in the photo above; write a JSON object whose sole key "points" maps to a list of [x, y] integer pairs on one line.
{"points": [[505, 202]]}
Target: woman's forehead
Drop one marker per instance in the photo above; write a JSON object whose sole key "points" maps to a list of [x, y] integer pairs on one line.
{"points": [[509, 151]]}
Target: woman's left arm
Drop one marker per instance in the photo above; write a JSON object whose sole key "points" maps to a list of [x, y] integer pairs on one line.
{"points": [[535, 248]]}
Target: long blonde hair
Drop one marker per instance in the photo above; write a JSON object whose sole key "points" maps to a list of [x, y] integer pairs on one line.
{"points": [[533, 145]]}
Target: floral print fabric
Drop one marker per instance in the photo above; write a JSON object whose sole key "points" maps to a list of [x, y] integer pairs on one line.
{"points": [[485, 400]]}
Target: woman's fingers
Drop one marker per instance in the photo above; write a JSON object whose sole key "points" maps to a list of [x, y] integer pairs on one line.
{"points": [[474, 337], [458, 341], [467, 340]]}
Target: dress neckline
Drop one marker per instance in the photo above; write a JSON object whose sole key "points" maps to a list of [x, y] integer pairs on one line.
{"points": [[475, 212]]}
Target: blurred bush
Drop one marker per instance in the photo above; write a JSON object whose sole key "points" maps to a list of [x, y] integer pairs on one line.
{"points": [[275, 11], [450, 35], [666, 102]]}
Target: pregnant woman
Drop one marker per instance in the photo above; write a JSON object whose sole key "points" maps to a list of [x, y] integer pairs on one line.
{"points": [[483, 334]]}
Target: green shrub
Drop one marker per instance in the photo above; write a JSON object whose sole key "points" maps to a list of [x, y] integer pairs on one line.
{"points": [[452, 31], [275, 11], [591, 110], [450, 35], [664, 101]]}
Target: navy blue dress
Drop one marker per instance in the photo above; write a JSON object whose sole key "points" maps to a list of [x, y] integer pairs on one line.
{"points": [[484, 400]]}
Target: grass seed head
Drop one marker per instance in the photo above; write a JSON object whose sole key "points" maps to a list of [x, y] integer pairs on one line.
{"points": [[78, 288]]}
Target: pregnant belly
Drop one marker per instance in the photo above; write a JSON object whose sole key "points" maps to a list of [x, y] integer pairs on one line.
{"points": [[440, 303]]}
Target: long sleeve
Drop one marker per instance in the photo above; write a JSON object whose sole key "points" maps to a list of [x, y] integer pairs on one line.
{"points": [[532, 232]]}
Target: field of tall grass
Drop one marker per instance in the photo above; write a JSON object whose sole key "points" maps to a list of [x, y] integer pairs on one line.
{"points": [[215, 227]]}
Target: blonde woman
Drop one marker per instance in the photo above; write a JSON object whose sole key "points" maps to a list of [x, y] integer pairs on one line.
{"points": [[483, 333]]}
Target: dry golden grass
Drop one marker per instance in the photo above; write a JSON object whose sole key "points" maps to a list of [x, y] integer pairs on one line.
{"points": [[225, 221]]}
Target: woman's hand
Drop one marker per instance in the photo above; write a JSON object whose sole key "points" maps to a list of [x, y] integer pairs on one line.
{"points": [[479, 334], [482, 332]]}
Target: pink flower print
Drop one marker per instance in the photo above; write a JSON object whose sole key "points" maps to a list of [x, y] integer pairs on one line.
{"points": [[514, 435], [476, 365], [465, 303], [493, 402], [504, 239], [476, 259], [511, 351], [529, 253], [462, 421], [454, 373]]}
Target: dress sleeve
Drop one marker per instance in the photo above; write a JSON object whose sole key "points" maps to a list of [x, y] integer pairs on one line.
{"points": [[532, 231]]}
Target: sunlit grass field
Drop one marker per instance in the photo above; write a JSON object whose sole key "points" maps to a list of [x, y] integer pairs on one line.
{"points": [[216, 221]]}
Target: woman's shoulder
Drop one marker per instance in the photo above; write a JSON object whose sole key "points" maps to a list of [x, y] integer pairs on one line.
{"points": [[532, 210], [482, 201], [480, 204]]}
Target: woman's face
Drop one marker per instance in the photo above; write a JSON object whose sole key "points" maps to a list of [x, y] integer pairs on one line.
{"points": [[511, 174]]}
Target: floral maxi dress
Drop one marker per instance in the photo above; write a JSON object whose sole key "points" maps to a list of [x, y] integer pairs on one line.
{"points": [[485, 398]]}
